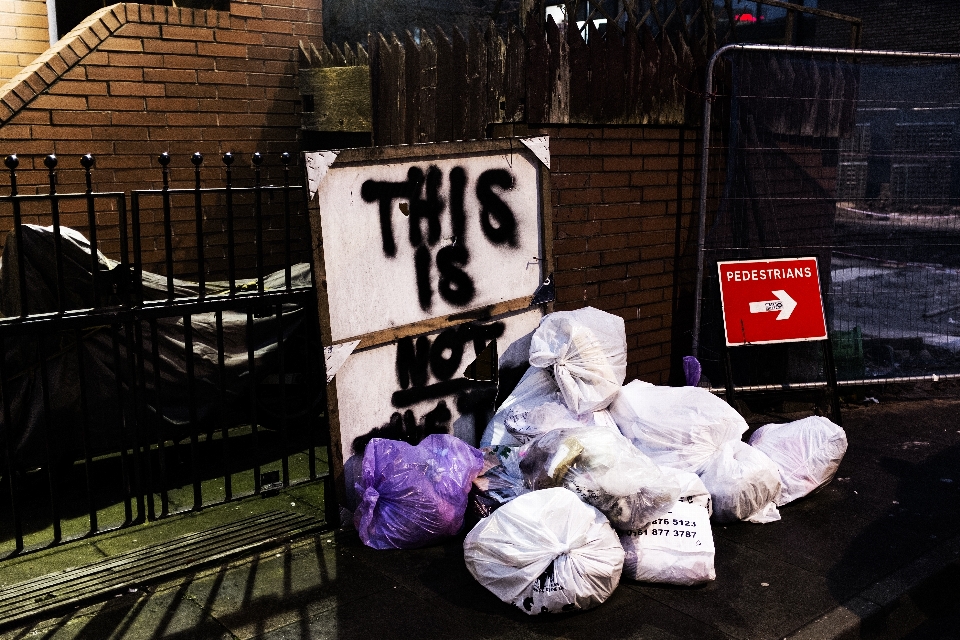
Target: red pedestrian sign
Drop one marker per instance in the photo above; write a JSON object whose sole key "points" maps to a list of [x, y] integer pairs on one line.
{"points": [[768, 301]]}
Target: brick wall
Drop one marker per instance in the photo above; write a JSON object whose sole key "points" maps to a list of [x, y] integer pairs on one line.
{"points": [[23, 34], [624, 216], [133, 81]]}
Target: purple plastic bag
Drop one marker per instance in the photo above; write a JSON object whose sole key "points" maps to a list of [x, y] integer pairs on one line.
{"points": [[691, 370], [414, 496]]}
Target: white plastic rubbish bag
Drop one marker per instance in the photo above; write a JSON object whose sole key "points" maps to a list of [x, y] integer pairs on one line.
{"points": [[535, 388], [744, 484], [807, 452], [678, 427], [535, 407], [692, 489], [587, 351], [676, 548], [546, 552], [527, 425], [604, 469]]}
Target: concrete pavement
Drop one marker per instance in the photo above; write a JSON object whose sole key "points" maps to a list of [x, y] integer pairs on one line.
{"points": [[875, 554]]}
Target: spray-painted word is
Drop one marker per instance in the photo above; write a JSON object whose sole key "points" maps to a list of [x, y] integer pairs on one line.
{"points": [[424, 206]]}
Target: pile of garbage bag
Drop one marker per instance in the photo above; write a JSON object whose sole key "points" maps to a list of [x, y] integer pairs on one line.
{"points": [[581, 480]]}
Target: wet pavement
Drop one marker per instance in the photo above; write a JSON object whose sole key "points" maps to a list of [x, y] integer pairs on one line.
{"points": [[875, 554]]}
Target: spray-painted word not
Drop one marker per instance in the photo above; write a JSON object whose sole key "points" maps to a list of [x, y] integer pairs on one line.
{"points": [[424, 207]]}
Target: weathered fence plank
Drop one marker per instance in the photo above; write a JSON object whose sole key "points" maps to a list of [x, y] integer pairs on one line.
{"points": [[649, 86], [633, 70], [538, 74], [596, 76], [453, 88], [559, 75], [445, 87], [477, 116], [515, 84], [495, 73], [579, 56], [412, 82], [613, 104], [427, 125], [460, 111]]}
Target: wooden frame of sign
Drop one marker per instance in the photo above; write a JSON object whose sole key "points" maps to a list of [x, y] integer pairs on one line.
{"points": [[413, 246]]}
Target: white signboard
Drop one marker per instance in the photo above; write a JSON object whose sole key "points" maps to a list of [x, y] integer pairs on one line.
{"points": [[429, 253], [406, 241]]}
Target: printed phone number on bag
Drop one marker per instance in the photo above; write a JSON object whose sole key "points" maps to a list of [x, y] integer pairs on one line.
{"points": [[677, 533], [675, 522], [651, 529]]}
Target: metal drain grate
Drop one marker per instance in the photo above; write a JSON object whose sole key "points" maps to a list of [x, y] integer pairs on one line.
{"points": [[82, 585]]}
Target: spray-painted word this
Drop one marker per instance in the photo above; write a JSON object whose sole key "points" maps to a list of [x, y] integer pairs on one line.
{"points": [[424, 200]]}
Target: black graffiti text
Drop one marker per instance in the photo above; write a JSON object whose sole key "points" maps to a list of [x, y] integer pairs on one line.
{"points": [[425, 206], [417, 359]]}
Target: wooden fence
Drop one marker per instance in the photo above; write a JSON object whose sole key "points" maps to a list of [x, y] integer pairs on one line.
{"points": [[427, 87]]}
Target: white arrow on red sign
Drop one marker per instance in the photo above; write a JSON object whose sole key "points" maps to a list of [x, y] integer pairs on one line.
{"points": [[784, 304]]}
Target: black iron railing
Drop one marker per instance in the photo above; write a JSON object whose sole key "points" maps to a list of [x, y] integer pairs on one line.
{"points": [[153, 393]]}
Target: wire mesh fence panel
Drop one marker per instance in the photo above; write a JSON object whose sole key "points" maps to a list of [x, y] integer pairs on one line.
{"points": [[854, 158]]}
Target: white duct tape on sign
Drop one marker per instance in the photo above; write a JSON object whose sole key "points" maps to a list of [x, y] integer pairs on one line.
{"points": [[317, 164], [540, 147], [334, 356]]}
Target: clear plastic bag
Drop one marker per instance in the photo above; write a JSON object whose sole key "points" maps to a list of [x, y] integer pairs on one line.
{"points": [[676, 548], [535, 407], [807, 453], [744, 484], [546, 552], [605, 470], [536, 387], [678, 427], [587, 351], [499, 482], [412, 496]]}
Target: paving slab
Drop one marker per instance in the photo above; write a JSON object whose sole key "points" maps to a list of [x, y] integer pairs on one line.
{"points": [[279, 588], [754, 596], [631, 616], [168, 614]]}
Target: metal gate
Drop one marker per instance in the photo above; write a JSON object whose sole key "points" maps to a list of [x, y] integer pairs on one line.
{"points": [[853, 157], [159, 350]]}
